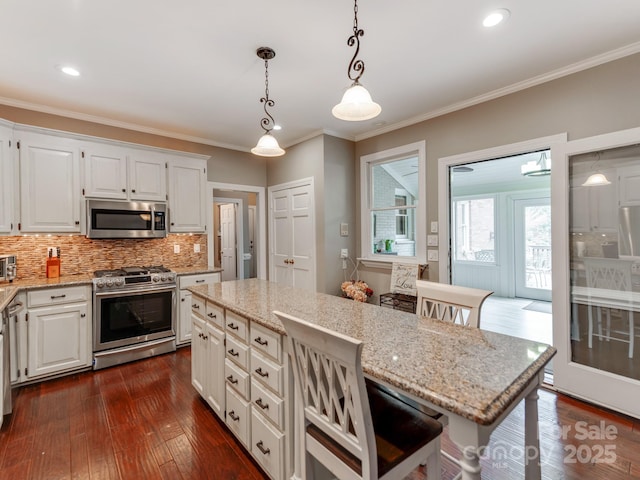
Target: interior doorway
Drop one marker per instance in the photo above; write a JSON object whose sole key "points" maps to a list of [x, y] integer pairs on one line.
{"points": [[229, 237], [249, 229]]}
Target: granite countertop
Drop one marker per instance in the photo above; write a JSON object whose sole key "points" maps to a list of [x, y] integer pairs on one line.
{"points": [[195, 270], [470, 372]]}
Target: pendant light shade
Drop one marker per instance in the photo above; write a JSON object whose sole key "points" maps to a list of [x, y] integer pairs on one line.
{"points": [[267, 145], [356, 104], [596, 180]]}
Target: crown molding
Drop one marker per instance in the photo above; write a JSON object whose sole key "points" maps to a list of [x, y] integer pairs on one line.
{"points": [[516, 87]]}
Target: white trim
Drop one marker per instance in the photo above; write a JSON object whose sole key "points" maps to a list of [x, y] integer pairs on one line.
{"points": [[598, 386], [261, 237], [444, 191], [416, 148]]}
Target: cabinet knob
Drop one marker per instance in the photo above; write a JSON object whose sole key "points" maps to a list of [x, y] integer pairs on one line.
{"points": [[124, 190], [133, 191]]}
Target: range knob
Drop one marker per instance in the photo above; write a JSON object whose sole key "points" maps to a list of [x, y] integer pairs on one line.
{"points": [[163, 278], [155, 279], [119, 282], [109, 283], [100, 284]]}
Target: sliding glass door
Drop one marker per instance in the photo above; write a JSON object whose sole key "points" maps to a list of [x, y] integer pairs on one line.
{"points": [[596, 269]]}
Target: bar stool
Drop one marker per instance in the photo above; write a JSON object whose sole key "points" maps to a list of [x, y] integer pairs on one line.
{"points": [[357, 431]]}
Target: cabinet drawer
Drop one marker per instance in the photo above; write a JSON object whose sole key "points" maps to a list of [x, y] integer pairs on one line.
{"points": [[266, 341], [267, 403], [238, 416], [198, 306], [237, 352], [237, 379], [215, 315], [56, 296], [237, 326], [267, 371], [194, 280], [267, 445]]}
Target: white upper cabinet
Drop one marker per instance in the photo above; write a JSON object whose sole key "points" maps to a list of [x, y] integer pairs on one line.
{"points": [[629, 178], [596, 208], [187, 194], [6, 180], [50, 183], [124, 173]]}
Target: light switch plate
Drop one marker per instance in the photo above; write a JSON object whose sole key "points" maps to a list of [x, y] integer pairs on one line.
{"points": [[432, 255], [344, 229], [196, 248], [434, 227], [432, 240]]}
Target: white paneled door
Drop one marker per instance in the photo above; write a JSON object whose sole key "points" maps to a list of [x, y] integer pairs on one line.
{"points": [[228, 241], [292, 235]]}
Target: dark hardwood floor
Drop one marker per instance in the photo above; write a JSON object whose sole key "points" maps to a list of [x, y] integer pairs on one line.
{"points": [[143, 420]]}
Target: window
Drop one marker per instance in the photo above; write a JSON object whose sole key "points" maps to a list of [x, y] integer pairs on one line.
{"points": [[393, 217], [474, 229]]}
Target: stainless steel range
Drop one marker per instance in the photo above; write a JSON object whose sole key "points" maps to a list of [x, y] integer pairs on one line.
{"points": [[134, 314]]}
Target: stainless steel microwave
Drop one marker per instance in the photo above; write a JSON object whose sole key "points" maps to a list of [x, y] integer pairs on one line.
{"points": [[115, 219]]}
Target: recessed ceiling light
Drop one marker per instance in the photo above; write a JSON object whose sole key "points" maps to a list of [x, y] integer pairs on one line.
{"points": [[496, 17], [277, 127], [73, 72]]}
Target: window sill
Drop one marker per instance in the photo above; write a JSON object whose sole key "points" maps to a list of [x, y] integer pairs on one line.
{"points": [[384, 264]]}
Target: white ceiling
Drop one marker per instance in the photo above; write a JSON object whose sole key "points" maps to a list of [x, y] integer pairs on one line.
{"points": [[189, 69]]}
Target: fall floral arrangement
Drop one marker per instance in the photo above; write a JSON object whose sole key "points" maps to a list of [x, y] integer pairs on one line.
{"points": [[357, 290]]}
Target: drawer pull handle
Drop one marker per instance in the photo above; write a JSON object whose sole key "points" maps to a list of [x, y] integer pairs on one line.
{"points": [[205, 337], [53, 297], [260, 341], [212, 315], [200, 335], [265, 451], [261, 373], [233, 326], [263, 406], [232, 380], [233, 416], [199, 281], [233, 353]]}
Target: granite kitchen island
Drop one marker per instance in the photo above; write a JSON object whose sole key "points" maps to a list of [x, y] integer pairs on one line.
{"points": [[472, 376]]}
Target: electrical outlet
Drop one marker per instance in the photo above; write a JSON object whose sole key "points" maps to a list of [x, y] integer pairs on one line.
{"points": [[344, 253], [344, 229], [176, 248], [432, 255], [196, 248]]}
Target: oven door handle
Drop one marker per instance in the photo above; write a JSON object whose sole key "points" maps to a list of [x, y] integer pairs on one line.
{"points": [[135, 291]]}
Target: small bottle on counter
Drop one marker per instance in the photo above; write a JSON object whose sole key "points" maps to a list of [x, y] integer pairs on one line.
{"points": [[53, 264]]}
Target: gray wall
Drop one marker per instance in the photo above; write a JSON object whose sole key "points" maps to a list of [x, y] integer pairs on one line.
{"points": [[602, 99]]}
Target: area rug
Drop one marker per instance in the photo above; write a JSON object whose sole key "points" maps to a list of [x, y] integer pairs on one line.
{"points": [[543, 307]]}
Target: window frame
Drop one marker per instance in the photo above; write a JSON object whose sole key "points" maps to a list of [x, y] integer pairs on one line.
{"points": [[470, 198], [367, 162]]}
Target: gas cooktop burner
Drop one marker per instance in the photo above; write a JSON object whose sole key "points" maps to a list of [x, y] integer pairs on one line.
{"points": [[127, 277]]}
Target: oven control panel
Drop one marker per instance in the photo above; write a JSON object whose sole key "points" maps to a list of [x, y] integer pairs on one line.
{"points": [[117, 283]]}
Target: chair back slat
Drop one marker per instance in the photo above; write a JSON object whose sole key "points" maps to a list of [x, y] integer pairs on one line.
{"points": [[609, 273], [328, 373], [450, 303]]}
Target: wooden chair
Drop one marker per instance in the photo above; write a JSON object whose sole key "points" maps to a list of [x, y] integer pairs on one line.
{"points": [[450, 303], [352, 428], [610, 274]]}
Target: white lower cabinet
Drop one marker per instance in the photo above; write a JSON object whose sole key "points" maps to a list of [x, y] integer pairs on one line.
{"points": [[183, 327], [253, 375], [54, 335], [207, 357]]}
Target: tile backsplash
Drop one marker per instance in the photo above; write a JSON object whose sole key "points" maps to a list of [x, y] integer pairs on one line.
{"points": [[81, 255]]}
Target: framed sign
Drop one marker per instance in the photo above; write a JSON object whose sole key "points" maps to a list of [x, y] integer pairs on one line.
{"points": [[403, 278]]}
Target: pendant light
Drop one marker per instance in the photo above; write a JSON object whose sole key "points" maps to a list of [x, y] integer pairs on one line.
{"points": [[267, 145], [356, 104], [537, 169], [596, 179]]}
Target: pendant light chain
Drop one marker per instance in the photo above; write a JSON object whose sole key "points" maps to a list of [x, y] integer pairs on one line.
{"points": [[267, 123], [355, 66]]}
